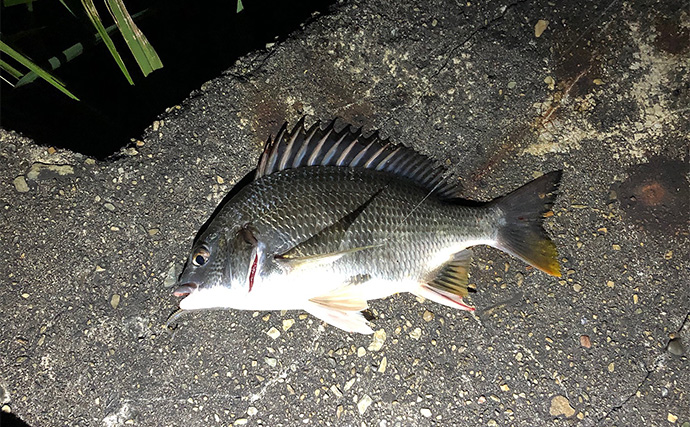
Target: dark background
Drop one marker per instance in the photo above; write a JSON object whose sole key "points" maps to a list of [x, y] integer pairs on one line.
{"points": [[196, 42]]}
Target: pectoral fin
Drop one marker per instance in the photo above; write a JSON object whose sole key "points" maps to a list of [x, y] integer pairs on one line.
{"points": [[317, 259], [345, 298], [326, 244], [343, 307], [350, 321]]}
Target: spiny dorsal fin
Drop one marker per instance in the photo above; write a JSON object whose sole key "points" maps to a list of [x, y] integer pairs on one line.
{"points": [[302, 147], [451, 277]]}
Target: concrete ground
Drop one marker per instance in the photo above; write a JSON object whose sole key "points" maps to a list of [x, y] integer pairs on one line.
{"points": [[90, 248]]}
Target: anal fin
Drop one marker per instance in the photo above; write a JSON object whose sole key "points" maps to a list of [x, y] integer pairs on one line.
{"points": [[447, 285]]}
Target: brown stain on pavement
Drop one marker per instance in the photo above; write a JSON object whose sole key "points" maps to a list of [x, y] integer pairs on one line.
{"points": [[656, 197]]}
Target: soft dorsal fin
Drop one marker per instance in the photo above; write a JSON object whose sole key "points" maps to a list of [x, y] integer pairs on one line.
{"points": [[302, 147]]}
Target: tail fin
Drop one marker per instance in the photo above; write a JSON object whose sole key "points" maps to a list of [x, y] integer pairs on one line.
{"points": [[522, 233]]}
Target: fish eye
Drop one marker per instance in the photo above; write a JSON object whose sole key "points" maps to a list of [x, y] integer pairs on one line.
{"points": [[200, 257]]}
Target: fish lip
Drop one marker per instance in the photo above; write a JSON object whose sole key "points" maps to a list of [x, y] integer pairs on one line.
{"points": [[185, 289]]}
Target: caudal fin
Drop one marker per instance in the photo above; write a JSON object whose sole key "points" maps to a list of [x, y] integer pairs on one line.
{"points": [[523, 234]]}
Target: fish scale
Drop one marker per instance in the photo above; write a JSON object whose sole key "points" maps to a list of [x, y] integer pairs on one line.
{"points": [[358, 219]]}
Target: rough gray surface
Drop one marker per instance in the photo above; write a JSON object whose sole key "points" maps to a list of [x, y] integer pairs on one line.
{"points": [[602, 93]]}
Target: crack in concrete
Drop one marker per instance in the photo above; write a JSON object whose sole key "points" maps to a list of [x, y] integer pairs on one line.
{"points": [[648, 372], [476, 31]]}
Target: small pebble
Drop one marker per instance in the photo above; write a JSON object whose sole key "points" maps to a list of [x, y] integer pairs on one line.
{"points": [[115, 300], [287, 324], [6, 409], [585, 341], [540, 27], [428, 316], [416, 333], [273, 333], [361, 352], [612, 367], [20, 184], [336, 391], [672, 418], [171, 277], [377, 341], [363, 404], [271, 361], [109, 206], [675, 346], [251, 411], [383, 365], [560, 405], [426, 412]]}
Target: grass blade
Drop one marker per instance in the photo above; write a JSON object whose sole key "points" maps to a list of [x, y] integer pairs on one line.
{"points": [[96, 21], [69, 9], [6, 49], [240, 6], [143, 52], [10, 70]]}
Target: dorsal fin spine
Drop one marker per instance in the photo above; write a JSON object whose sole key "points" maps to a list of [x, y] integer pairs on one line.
{"points": [[317, 149], [343, 156], [387, 159], [302, 147], [274, 148], [373, 160], [358, 158], [329, 155], [288, 149], [303, 150]]}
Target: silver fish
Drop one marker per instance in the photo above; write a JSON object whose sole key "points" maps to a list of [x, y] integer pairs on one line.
{"points": [[334, 219]]}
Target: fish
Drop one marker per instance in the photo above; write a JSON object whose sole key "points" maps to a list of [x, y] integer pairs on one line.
{"points": [[334, 219]]}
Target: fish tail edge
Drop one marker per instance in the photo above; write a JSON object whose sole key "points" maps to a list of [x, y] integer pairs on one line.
{"points": [[522, 232]]}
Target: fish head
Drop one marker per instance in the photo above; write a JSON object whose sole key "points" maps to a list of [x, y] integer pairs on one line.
{"points": [[219, 271]]}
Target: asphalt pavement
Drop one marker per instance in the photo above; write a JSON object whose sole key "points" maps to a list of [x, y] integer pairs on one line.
{"points": [[499, 92]]}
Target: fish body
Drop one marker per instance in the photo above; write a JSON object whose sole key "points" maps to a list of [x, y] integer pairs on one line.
{"points": [[334, 220]]}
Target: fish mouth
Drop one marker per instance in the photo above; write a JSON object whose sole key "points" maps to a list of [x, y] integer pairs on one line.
{"points": [[184, 290]]}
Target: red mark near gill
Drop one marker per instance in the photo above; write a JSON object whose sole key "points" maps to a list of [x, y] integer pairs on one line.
{"points": [[252, 272]]}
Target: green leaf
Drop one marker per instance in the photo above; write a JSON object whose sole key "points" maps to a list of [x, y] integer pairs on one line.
{"points": [[240, 6], [143, 52], [67, 7], [96, 21], [4, 48], [10, 70]]}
